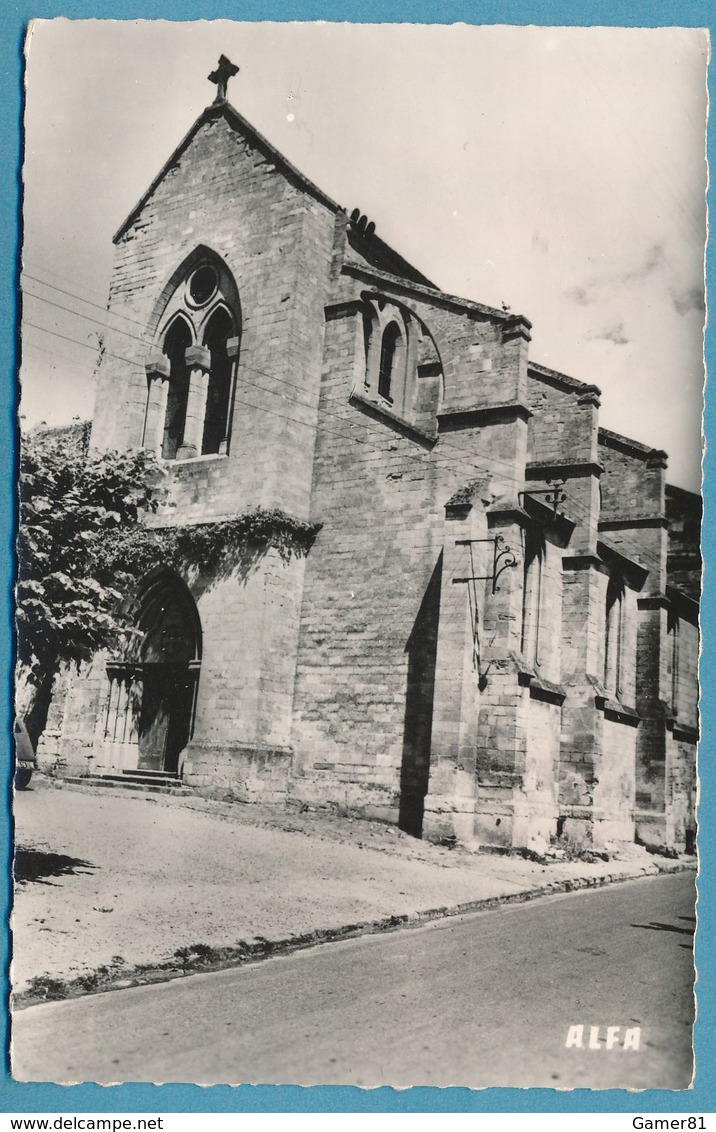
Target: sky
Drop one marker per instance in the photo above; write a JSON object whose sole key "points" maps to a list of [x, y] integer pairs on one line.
{"points": [[558, 171]]}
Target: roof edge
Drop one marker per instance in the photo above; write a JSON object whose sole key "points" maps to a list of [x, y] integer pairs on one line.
{"points": [[237, 122], [434, 294], [535, 370], [615, 440]]}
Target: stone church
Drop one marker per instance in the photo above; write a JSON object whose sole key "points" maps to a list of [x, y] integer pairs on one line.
{"points": [[494, 636]]}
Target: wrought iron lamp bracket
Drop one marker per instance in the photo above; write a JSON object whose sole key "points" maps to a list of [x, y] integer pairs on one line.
{"points": [[553, 494], [503, 558]]}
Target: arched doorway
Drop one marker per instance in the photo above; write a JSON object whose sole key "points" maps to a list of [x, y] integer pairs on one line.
{"points": [[169, 662]]}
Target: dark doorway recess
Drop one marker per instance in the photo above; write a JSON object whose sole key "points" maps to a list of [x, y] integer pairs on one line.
{"points": [[170, 660], [422, 650]]}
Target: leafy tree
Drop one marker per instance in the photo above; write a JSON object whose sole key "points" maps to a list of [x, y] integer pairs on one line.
{"points": [[83, 544], [75, 507]]}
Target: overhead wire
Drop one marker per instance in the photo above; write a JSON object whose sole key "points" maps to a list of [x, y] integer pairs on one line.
{"points": [[476, 463]]}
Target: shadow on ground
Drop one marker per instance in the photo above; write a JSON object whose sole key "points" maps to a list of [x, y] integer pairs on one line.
{"points": [[38, 865], [656, 926]]}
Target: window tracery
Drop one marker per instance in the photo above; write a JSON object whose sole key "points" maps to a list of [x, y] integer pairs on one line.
{"points": [[191, 377]]}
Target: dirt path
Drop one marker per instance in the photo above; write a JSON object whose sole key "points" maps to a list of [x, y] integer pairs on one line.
{"points": [[118, 879]]}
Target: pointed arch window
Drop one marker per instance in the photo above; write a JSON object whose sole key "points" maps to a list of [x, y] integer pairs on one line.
{"points": [[389, 349], [191, 378], [401, 361], [219, 332], [176, 344]]}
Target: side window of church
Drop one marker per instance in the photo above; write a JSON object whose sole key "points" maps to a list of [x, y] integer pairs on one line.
{"points": [[403, 368], [614, 636], [532, 597], [388, 355], [389, 362], [191, 382]]}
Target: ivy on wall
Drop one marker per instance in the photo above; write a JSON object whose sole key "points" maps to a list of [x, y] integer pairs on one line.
{"points": [[215, 546]]}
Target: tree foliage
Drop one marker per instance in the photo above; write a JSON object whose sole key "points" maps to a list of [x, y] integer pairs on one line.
{"points": [[73, 507]]}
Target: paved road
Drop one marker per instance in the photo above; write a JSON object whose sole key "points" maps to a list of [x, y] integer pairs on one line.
{"points": [[484, 1000]]}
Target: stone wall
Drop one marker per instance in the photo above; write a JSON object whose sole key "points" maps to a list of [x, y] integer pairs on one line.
{"points": [[237, 773], [73, 740]]}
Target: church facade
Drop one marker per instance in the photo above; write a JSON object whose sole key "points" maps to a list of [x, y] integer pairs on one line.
{"points": [[494, 635]]}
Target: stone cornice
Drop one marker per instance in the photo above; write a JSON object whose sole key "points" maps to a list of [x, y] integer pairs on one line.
{"points": [[575, 562], [619, 712], [612, 707], [673, 599], [499, 514], [378, 412], [684, 732], [343, 310], [516, 327], [653, 601], [571, 469], [540, 689], [627, 522], [454, 419], [559, 524]]}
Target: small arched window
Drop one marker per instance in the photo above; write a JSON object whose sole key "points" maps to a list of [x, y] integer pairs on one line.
{"points": [[176, 343], [388, 355], [392, 341]]}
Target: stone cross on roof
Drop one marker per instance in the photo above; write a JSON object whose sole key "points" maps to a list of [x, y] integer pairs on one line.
{"points": [[224, 71]]}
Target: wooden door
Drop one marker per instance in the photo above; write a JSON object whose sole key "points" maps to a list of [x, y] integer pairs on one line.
{"points": [[155, 718]]}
